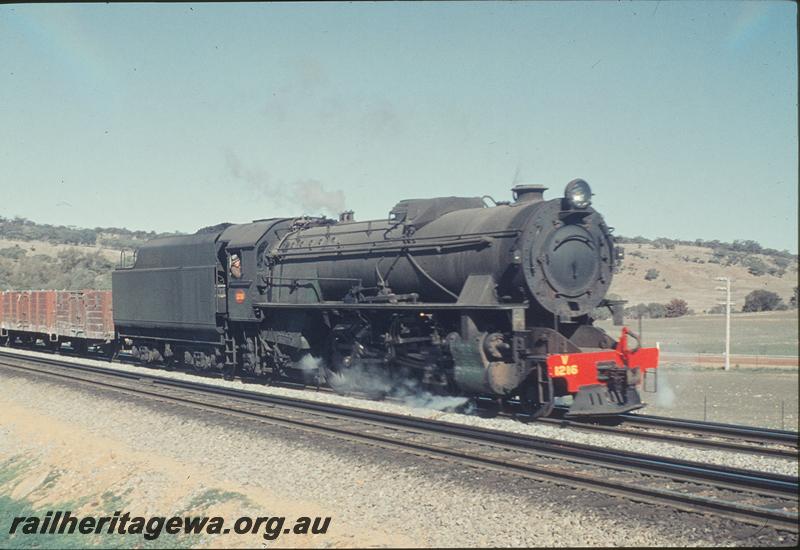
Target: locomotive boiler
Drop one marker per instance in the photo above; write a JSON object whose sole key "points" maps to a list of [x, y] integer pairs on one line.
{"points": [[450, 293]]}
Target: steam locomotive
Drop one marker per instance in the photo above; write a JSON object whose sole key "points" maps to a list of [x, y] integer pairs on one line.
{"points": [[456, 296], [460, 297]]}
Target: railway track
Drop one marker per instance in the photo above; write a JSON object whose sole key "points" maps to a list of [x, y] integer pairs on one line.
{"points": [[753, 497], [713, 435], [726, 437], [744, 433]]}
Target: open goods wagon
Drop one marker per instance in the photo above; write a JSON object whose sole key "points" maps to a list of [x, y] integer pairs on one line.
{"points": [[57, 316]]}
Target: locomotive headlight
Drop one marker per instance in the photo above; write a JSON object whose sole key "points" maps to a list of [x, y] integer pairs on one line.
{"points": [[578, 194]]}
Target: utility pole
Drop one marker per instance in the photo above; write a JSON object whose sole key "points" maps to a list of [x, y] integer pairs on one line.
{"points": [[727, 303], [641, 338]]}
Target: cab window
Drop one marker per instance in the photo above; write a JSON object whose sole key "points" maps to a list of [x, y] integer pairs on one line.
{"points": [[235, 266]]}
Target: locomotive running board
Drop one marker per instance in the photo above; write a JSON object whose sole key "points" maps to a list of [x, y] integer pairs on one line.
{"points": [[428, 306]]}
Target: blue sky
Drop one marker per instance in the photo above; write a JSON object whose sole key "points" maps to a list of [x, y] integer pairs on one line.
{"points": [[681, 115]]}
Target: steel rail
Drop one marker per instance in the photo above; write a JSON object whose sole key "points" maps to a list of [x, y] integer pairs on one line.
{"points": [[760, 436], [650, 431], [745, 433], [737, 479], [735, 476]]}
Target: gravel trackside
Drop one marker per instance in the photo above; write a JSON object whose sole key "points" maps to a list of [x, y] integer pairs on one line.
{"points": [[738, 460], [163, 454]]}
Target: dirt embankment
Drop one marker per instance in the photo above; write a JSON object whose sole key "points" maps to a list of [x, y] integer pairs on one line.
{"points": [[49, 464]]}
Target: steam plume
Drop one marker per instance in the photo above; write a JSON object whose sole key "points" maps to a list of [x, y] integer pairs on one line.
{"points": [[378, 383], [309, 194]]}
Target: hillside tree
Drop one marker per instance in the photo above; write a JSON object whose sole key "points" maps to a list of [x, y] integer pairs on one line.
{"points": [[677, 307], [762, 300]]}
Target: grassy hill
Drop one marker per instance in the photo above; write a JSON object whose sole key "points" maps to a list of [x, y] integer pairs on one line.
{"points": [[35, 265], [689, 272], [43, 256], [34, 255]]}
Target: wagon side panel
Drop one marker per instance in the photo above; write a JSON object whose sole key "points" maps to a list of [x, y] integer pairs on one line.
{"points": [[43, 312], [22, 310], [99, 318]]}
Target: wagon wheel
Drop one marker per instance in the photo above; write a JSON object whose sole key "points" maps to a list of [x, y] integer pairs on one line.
{"points": [[79, 346], [171, 363], [53, 346]]}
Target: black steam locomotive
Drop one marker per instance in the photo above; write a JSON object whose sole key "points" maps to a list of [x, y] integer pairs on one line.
{"points": [[460, 297]]}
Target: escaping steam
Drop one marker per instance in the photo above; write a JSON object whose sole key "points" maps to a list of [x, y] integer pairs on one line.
{"points": [[309, 363], [312, 196], [665, 395], [410, 392], [378, 384]]}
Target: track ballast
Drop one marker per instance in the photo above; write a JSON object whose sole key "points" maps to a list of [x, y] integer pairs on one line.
{"points": [[744, 495]]}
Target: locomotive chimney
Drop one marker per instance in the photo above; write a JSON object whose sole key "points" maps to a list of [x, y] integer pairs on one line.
{"points": [[528, 193]]}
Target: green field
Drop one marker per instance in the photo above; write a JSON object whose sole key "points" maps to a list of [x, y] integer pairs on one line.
{"points": [[766, 333]]}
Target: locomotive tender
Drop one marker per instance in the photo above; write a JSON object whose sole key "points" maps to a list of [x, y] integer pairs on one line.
{"points": [[460, 297]]}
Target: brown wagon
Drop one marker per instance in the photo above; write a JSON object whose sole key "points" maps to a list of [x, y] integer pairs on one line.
{"points": [[81, 317]]}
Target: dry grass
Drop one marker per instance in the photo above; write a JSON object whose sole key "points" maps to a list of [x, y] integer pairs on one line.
{"points": [[765, 333], [693, 282]]}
